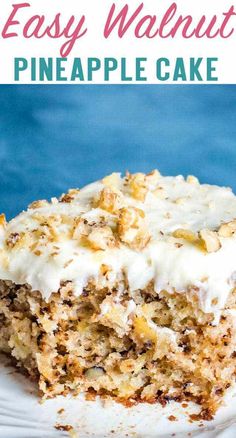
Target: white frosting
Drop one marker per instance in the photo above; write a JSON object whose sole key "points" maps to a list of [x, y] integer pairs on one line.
{"points": [[181, 205]]}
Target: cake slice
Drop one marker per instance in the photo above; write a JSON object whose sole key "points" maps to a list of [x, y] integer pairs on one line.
{"points": [[125, 288]]}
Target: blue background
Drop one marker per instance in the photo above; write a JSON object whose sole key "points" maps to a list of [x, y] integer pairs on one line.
{"points": [[56, 137]]}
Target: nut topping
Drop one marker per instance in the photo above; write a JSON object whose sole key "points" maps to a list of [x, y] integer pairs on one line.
{"points": [[138, 187], [210, 240], [101, 238], [132, 228], [97, 236], [110, 200], [187, 235], [228, 229], [205, 239], [38, 204], [69, 196], [12, 240]]}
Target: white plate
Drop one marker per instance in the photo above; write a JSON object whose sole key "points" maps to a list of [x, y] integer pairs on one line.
{"points": [[23, 416]]}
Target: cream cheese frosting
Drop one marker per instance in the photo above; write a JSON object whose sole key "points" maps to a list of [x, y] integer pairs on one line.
{"points": [[173, 231]]}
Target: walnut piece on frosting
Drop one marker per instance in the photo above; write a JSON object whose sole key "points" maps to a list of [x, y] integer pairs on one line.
{"points": [[13, 239], [187, 235], [97, 236], [227, 229], [69, 196], [132, 228], [101, 238], [81, 228], [139, 184], [205, 239], [110, 200], [66, 198], [210, 240], [38, 204], [138, 187]]}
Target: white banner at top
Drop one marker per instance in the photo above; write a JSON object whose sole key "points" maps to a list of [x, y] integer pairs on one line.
{"points": [[118, 42]]}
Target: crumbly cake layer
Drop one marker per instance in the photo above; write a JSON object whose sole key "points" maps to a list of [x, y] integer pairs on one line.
{"points": [[134, 347], [126, 288]]}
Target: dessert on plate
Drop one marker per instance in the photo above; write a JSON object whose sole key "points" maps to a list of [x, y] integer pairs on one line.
{"points": [[125, 288]]}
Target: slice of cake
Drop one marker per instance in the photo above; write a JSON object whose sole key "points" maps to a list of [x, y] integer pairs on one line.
{"points": [[125, 288]]}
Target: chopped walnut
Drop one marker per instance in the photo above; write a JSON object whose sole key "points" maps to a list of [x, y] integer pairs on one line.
{"points": [[132, 228], [64, 427], [13, 239], [138, 186], [19, 240], [101, 238], [110, 200], [210, 240], [205, 239], [81, 228], [50, 227], [104, 270], [49, 232], [38, 204], [66, 198], [97, 236], [227, 229], [187, 235], [69, 196]]}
